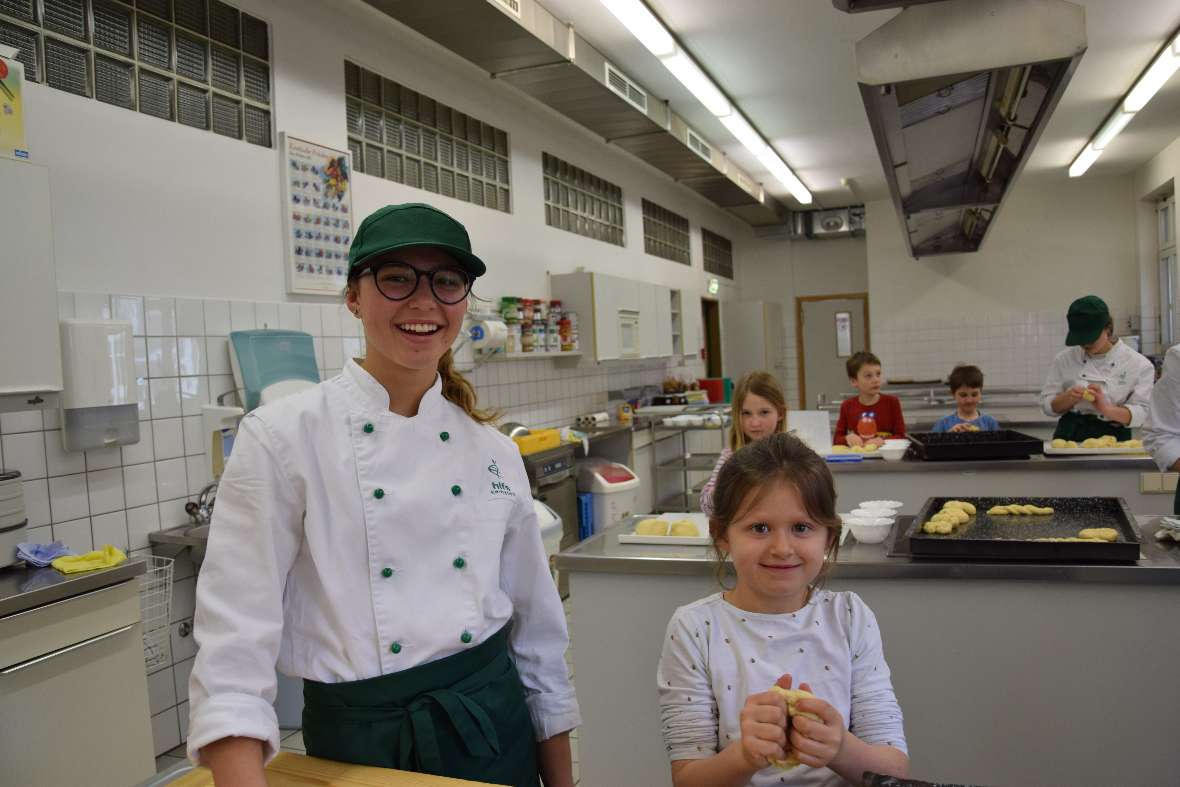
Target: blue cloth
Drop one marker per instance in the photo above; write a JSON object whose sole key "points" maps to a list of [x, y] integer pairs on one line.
{"points": [[41, 555], [985, 423]]}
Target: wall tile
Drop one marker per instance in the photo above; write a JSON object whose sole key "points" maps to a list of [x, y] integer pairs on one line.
{"points": [[68, 498], [161, 690], [194, 435], [190, 355], [58, 460], [217, 318], [165, 731], [106, 491], [184, 598], [165, 397], [242, 317], [290, 317], [330, 319], [309, 319], [92, 306], [140, 356], [217, 355], [140, 522], [182, 671], [103, 458], [162, 357], [75, 534], [194, 394], [169, 438], [190, 317], [183, 647], [26, 421], [65, 306], [139, 484], [160, 316], [26, 453], [182, 712], [199, 473], [172, 512], [110, 529], [144, 450], [39, 535], [171, 479], [130, 309], [36, 495], [266, 316]]}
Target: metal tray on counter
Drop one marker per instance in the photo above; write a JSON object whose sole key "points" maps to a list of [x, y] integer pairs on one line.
{"points": [[1014, 537], [1000, 444]]}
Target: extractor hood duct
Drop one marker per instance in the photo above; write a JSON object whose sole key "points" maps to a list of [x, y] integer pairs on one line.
{"points": [[957, 94], [521, 43]]}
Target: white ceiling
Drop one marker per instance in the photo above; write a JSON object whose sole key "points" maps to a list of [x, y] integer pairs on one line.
{"points": [[789, 65]]}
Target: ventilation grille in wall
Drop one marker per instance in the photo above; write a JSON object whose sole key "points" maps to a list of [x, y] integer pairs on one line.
{"points": [[404, 136], [626, 88], [202, 63], [665, 234], [579, 202], [718, 254], [698, 145]]}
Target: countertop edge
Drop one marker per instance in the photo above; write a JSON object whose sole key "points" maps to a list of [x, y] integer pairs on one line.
{"points": [[69, 586]]}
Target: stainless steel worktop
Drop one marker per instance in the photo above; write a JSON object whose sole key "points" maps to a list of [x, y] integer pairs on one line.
{"points": [[1159, 564], [1034, 464], [24, 588]]}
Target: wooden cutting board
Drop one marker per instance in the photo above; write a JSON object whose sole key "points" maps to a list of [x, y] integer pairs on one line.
{"points": [[298, 770]]}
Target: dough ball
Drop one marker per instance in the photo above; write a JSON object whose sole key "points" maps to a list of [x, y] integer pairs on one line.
{"points": [[652, 527], [1091, 442], [1043, 510], [792, 696], [1059, 443], [1088, 395], [841, 449], [1071, 443], [960, 505], [998, 511], [1100, 533], [684, 527]]}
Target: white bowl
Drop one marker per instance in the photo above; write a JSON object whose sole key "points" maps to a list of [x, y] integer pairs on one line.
{"points": [[896, 442], [869, 530], [893, 453], [872, 513], [892, 506]]}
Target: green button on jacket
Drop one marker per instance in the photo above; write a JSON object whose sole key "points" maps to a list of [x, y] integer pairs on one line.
{"points": [[378, 493], [456, 489]]}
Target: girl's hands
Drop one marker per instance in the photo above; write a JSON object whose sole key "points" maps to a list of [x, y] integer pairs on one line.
{"points": [[961, 428], [853, 439], [764, 727], [816, 743]]}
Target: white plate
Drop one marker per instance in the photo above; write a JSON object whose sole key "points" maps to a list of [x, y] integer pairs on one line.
{"points": [[698, 518], [1079, 451]]}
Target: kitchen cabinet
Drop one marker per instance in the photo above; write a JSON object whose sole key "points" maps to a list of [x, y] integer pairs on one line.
{"points": [[30, 348], [691, 339], [73, 693], [620, 317]]}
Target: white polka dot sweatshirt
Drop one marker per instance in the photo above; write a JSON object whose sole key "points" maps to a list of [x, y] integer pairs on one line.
{"points": [[715, 655]]}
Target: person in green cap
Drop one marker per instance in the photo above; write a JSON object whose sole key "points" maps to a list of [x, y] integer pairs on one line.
{"points": [[1097, 385], [375, 536]]}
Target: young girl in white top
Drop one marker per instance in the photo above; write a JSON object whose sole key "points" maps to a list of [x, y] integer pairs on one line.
{"points": [[774, 514], [759, 410]]}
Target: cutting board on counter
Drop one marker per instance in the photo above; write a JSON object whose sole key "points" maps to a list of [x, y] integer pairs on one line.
{"points": [[298, 770]]}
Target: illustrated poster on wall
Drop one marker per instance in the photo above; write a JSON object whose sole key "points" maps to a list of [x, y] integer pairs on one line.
{"points": [[318, 223], [843, 334], [12, 125]]}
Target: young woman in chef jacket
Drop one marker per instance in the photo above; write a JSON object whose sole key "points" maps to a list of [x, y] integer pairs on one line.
{"points": [[1098, 385], [759, 410], [374, 536]]}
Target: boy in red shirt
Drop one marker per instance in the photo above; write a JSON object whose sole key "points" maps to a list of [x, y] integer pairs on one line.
{"points": [[870, 416]]}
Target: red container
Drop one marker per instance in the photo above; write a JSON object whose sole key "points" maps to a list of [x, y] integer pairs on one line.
{"points": [[715, 387]]}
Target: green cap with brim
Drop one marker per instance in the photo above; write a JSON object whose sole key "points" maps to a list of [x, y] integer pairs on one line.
{"points": [[1087, 317], [412, 224]]}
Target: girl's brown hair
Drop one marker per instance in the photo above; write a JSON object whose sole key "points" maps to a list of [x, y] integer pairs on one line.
{"points": [[762, 384], [750, 473], [456, 388]]}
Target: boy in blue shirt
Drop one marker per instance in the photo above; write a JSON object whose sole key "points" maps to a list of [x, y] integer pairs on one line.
{"points": [[966, 383]]}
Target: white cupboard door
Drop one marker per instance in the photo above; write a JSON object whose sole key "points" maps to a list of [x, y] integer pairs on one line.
{"points": [[664, 321], [690, 307], [649, 321], [606, 317]]}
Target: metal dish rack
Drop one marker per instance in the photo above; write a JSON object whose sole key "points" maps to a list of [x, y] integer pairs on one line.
{"points": [[155, 610]]}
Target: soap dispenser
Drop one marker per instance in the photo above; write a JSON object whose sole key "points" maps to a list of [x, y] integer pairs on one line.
{"points": [[99, 405]]}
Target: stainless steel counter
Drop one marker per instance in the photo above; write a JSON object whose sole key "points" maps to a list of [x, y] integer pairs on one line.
{"points": [[1035, 464], [25, 588], [1159, 564]]}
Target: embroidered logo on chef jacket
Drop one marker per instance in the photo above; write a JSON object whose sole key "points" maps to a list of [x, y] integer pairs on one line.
{"points": [[499, 487]]}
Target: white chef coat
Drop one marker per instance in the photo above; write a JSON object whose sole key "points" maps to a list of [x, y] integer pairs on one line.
{"points": [[1125, 376], [350, 542], [1161, 430]]}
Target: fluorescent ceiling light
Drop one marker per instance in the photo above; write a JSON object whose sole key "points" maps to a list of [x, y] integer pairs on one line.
{"points": [[691, 76], [1082, 163], [643, 24], [1153, 79], [744, 133], [1117, 122], [783, 174]]}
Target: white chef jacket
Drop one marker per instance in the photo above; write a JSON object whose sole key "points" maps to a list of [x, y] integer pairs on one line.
{"points": [[350, 542], [1125, 376], [1161, 430]]}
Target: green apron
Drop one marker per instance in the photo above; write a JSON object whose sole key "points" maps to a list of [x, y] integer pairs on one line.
{"points": [[1080, 426], [463, 716]]}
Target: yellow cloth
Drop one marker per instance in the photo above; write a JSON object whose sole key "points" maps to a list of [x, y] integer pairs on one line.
{"points": [[100, 558]]}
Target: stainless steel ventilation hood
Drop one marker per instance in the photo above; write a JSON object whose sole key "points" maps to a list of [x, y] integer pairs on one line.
{"points": [[957, 94], [521, 43]]}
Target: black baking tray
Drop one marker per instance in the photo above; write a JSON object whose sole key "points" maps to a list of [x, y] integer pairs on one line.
{"points": [[1013, 537], [1000, 444]]}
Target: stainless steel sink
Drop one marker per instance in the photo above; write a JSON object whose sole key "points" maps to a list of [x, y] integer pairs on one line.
{"points": [[173, 541]]}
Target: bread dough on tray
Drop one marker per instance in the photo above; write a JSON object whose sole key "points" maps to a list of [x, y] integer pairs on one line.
{"points": [[1019, 509], [652, 527]]}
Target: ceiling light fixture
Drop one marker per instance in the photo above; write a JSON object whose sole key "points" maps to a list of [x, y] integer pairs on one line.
{"points": [[1147, 85], [650, 31]]}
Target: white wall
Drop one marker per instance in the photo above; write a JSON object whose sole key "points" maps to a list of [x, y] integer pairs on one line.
{"points": [[149, 206], [1003, 308], [1153, 180]]}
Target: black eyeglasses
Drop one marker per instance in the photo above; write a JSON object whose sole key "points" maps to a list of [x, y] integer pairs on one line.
{"points": [[399, 280]]}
